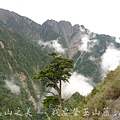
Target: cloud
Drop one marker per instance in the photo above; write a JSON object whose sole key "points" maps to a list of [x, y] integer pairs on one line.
{"points": [[110, 60], [12, 86], [92, 58], [92, 43], [87, 44], [84, 44], [117, 39], [54, 44], [77, 83]]}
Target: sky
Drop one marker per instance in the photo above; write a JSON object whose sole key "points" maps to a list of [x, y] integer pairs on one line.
{"points": [[99, 16]]}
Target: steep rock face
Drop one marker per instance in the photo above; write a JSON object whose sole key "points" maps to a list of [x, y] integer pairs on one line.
{"points": [[52, 29], [74, 43], [49, 30], [85, 47], [66, 30], [79, 32], [53, 24], [56, 29]]}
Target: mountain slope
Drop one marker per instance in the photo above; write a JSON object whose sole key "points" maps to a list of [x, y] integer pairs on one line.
{"points": [[105, 95], [19, 24], [102, 104], [22, 55], [19, 61], [85, 47]]}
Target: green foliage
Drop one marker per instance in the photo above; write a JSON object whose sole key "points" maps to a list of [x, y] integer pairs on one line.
{"points": [[51, 101], [88, 67], [13, 102], [104, 95], [73, 101], [57, 71], [104, 98], [94, 91], [19, 55]]}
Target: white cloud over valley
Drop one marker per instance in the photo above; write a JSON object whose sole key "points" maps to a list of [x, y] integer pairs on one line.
{"points": [[77, 83], [110, 60], [15, 89], [87, 44], [117, 39], [53, 44]]}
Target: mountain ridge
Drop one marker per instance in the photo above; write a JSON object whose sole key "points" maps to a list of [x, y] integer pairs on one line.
{"points": [[78, 41], [22, 55]]}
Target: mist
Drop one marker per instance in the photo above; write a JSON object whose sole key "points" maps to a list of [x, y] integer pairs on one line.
{"points": [[87, 44], [77, 83], [54, 44], [110, 60], [15, 89], [84, 44], [117, 39]]}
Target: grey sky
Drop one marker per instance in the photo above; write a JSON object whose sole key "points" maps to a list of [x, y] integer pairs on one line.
{"points": [[99, 16]]}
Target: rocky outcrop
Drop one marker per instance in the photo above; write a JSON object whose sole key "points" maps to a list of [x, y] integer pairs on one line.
{"points": [[71, 34], [65, 29]]}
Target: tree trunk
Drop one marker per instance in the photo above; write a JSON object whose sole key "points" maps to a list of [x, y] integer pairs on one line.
{"points": [[59, 89], [60, 95]]}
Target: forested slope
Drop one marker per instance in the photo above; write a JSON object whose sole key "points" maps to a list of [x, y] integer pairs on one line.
{"points": [[19, 60]]}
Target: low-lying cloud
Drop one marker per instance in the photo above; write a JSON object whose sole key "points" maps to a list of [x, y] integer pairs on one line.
{"points": [[15, 89], [77, 83], [84, 44], [92, 58], [117, 39], [87, 44], [110, 60], [54, 44]]}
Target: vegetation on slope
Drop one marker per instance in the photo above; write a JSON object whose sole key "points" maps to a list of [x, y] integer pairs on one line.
{"points": [[102, 104], [19, 24], [18, 56]]}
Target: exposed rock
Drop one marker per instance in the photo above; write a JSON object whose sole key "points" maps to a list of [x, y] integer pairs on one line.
{"points": [[53, 24], [2, 45], [10, 52], [22, 76], [115, 106], [9, 65], [66, 30]]}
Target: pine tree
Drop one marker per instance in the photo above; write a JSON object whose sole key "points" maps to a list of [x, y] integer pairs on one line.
{"points": [[58, 71]]}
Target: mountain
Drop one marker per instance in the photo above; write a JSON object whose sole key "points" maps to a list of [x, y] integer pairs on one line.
{"points": [[24, 48], [19, 61], [105, 97], [103, 103], [85, 47], [19, 24]]}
